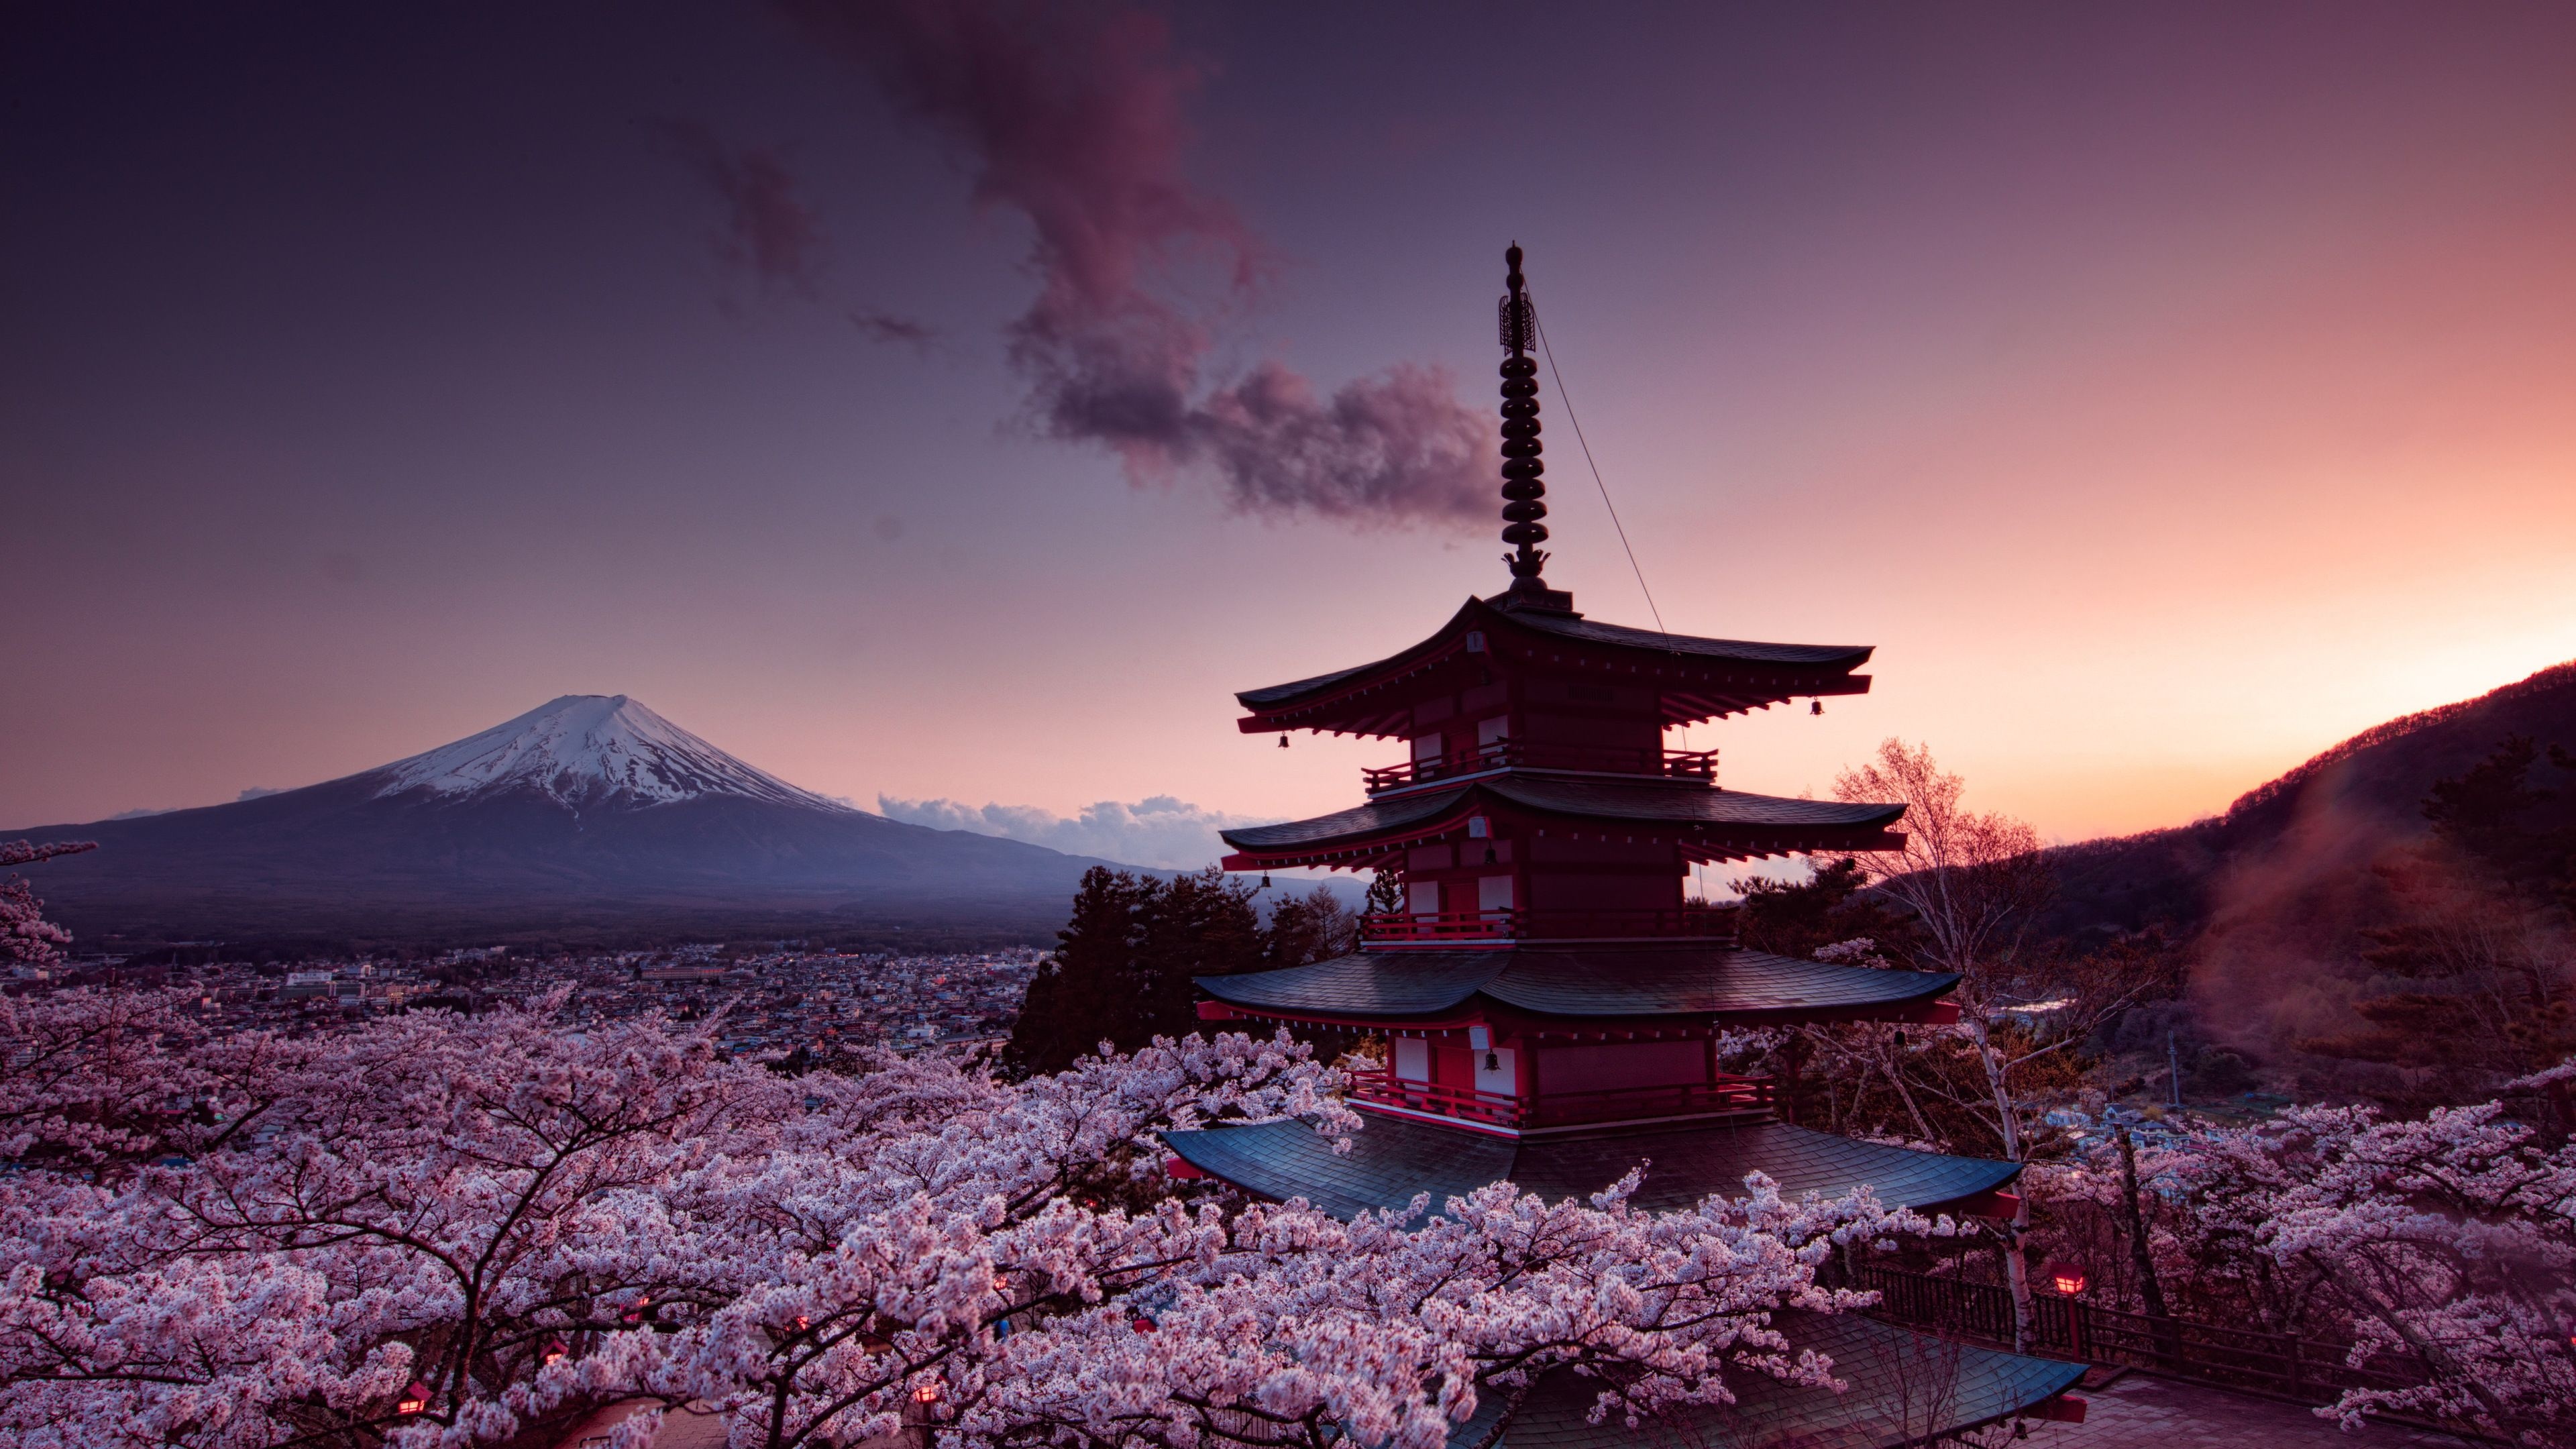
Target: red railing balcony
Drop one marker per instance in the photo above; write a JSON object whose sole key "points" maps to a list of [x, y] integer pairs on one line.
{"points": [[1439, 927], [1517, 754], [1498, 1108], [1568, 1109]]}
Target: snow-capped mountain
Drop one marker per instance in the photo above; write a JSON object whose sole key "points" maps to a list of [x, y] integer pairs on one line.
{"points": [[588, 750], [587, 818]]}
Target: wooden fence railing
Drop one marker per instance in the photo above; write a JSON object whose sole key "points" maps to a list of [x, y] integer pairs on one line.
{"points": [[2275, 1363]]}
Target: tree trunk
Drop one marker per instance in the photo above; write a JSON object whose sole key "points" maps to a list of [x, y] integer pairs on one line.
{"points": [[1793, 1054], [2008, 1126], [1893, 1065], [2017, 1273], [2149, 1289]]}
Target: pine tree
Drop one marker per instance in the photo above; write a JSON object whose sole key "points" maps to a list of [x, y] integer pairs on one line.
{"points": [[1070, 1006], [1313, 927], [1385, 894], [1796, 918], [1123, 966], [1201, 924]]}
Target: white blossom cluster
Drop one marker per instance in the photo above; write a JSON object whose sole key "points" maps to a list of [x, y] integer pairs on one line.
{"points": [[450, 1231], [2448, 1243]]}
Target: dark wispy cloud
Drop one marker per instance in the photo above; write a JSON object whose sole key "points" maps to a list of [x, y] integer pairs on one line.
{"points": [[769, 230], [1075, 117], [892, 327]]}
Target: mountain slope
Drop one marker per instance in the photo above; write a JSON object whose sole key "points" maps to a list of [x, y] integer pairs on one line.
{"points": [[589, 817], [2317, 828]]}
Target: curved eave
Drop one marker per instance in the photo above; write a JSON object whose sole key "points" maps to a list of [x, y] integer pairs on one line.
{"points": [[1340, 703], [1901, 1387], [1480, 1009], [1604, 987], [1696, 678], [1392, 1158], [1361, 837]]}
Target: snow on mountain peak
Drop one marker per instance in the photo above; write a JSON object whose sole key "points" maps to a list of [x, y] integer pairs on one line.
{"points": [[586, 750]]}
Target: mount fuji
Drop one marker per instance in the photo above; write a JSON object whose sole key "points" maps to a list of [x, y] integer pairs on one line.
{"points": [[587, 819], [596, 751]]}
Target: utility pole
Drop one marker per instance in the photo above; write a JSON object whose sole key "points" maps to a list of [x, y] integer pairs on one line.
{"points": [[2173, 1067]]}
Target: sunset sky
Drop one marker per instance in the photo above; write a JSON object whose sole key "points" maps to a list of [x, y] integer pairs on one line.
{"points": [[2167, 392]]}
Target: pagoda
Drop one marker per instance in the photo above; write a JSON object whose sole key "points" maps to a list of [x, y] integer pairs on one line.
{"points": [[1552, 1000]]}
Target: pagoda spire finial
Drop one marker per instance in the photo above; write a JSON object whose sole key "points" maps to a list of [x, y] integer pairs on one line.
{"points": [[1524, 486]]}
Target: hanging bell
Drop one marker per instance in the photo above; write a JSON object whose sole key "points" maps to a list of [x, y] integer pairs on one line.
{"points": [[1283, 741], [1265, 880], [1814, 706]]}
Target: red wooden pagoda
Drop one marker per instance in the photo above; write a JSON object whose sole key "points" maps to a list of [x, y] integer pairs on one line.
{"points": [[1550, 997]]}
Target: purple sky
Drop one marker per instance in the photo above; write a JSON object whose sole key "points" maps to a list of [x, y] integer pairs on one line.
{"points": [[959, 402]]}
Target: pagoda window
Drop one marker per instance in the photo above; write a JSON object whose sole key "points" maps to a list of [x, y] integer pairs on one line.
{"points": [[1494, 893], [1422, 897], [1427, 750], [1412, 1059], [1491, 733]]}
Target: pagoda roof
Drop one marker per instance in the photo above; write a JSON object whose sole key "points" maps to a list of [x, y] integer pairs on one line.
{"points": [[1902, 1387], [1701, 678], [1757, 824], [1581, 981], [1393, 1158]]}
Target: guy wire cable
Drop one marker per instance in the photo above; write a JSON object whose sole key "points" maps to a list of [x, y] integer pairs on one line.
{"points": [[1567, 398]]}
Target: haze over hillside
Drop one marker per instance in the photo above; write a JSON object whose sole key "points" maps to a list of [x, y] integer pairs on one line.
{"points": [[2273, 896], [587, 817]]}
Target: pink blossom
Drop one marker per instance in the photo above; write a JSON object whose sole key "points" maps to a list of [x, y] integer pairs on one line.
{"points": [[532, 1223]]}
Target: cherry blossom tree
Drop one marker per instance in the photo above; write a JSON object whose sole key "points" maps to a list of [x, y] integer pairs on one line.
{"points": [[26, 937], [2449, 1241], [86, 1076], [433, 1188], [449, 1231], [1972, 885]]}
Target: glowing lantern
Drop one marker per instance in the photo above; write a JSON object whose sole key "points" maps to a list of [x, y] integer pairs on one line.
{"points": [[2066, 1278], [926, 1394], [554, 1351], [414, 1399]]}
